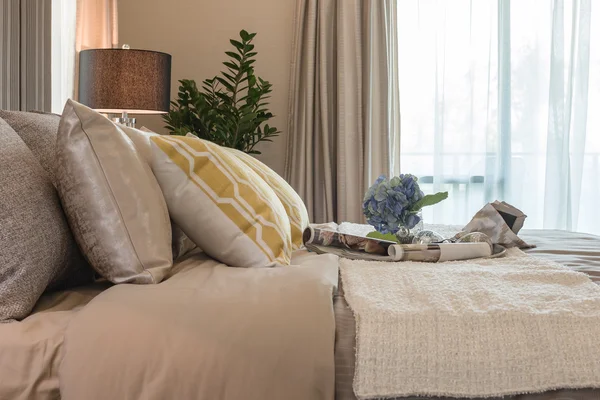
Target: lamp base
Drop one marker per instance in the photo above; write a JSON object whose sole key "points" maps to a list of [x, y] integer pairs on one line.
{"points": [[124, 120]]}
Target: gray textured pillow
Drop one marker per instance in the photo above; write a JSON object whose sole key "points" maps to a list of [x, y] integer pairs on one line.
{"points": [[38, 131], [36, 246], [111, 198]]}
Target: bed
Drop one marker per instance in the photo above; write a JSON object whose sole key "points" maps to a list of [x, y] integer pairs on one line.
{"points": [[156, 348]]}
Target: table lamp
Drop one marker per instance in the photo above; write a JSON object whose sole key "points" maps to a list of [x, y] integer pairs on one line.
{"points": [[125, 81]]}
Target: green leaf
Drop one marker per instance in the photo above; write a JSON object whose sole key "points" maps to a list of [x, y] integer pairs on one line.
{"points": [[390, 237], [234, 55], [245, 35], [247, 117], [226, 84], [228, 76], [238, 45], [429, 200], [224, 97]]}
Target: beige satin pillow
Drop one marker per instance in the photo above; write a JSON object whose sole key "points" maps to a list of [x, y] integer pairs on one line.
{"points": [[181, 244], [112, 201]]}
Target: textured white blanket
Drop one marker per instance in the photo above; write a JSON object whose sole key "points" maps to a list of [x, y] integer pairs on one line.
{"points": [[475, 329]]}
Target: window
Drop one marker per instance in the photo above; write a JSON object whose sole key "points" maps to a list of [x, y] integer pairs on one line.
{"points": [[500, 100]]}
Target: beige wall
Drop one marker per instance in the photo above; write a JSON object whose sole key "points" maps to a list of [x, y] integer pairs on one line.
{"points": [[197, 32]]}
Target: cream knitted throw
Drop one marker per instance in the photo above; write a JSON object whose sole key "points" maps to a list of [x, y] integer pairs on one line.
{"points": [[472, 329]]}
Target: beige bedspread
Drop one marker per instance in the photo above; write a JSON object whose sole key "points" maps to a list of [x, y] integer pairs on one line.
{"points": [[576, 250], [31, 350], [208, 332]]}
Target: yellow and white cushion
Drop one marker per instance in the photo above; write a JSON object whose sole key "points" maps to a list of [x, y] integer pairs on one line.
{"points": [[293, 204], [221, 204]]}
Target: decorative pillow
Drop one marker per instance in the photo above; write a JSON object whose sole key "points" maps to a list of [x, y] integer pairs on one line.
{"points": [[293, 204], [111, 198], [222, 205], [180, 243], [38, 131], [36, 245], [141, 140]]}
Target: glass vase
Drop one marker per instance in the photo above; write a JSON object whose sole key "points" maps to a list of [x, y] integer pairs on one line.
{"points": [[405, 234]]}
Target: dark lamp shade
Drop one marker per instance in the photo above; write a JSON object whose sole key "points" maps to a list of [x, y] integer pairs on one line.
{"points": [[119, 80]]}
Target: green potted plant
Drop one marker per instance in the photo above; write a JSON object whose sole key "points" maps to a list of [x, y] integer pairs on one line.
{"points": [[229, 109]]}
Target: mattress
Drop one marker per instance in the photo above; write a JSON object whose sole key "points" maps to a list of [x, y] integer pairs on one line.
{"points": [[578, 251]]}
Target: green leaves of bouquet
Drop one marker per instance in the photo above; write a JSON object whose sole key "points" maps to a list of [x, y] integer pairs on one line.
{"points": [[229, 109], [429, 200]]}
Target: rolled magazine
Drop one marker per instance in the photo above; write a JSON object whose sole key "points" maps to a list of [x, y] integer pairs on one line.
{"points": [[364, 248]]}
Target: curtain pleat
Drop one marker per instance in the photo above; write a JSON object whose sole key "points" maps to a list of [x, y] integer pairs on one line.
{"points": [[25, 72], [503, 166], [9, 54], [581, 88], [339, 119], [567, 116], [35, 55], [393, 86], [376, 84]]}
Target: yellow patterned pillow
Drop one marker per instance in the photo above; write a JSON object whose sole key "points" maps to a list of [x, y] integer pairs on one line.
{"points": [[293, 204], [222, 205]]}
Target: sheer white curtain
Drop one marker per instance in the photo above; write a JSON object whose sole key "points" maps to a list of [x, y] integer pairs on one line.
{"points": [[63, 52], [501, 100]]}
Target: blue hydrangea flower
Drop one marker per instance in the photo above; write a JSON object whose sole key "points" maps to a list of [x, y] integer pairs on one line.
{"points": [[388, 203]]}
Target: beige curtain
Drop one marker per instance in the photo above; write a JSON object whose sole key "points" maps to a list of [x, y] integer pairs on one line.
{"points": [[97, 24], [25, 78], [341, 114], [96, 27]]}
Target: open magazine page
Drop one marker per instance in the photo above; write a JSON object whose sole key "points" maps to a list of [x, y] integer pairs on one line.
{"points": [[331, 239]]}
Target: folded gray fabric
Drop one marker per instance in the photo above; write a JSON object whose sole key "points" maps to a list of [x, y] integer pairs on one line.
{"points": [[501, 222]]}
